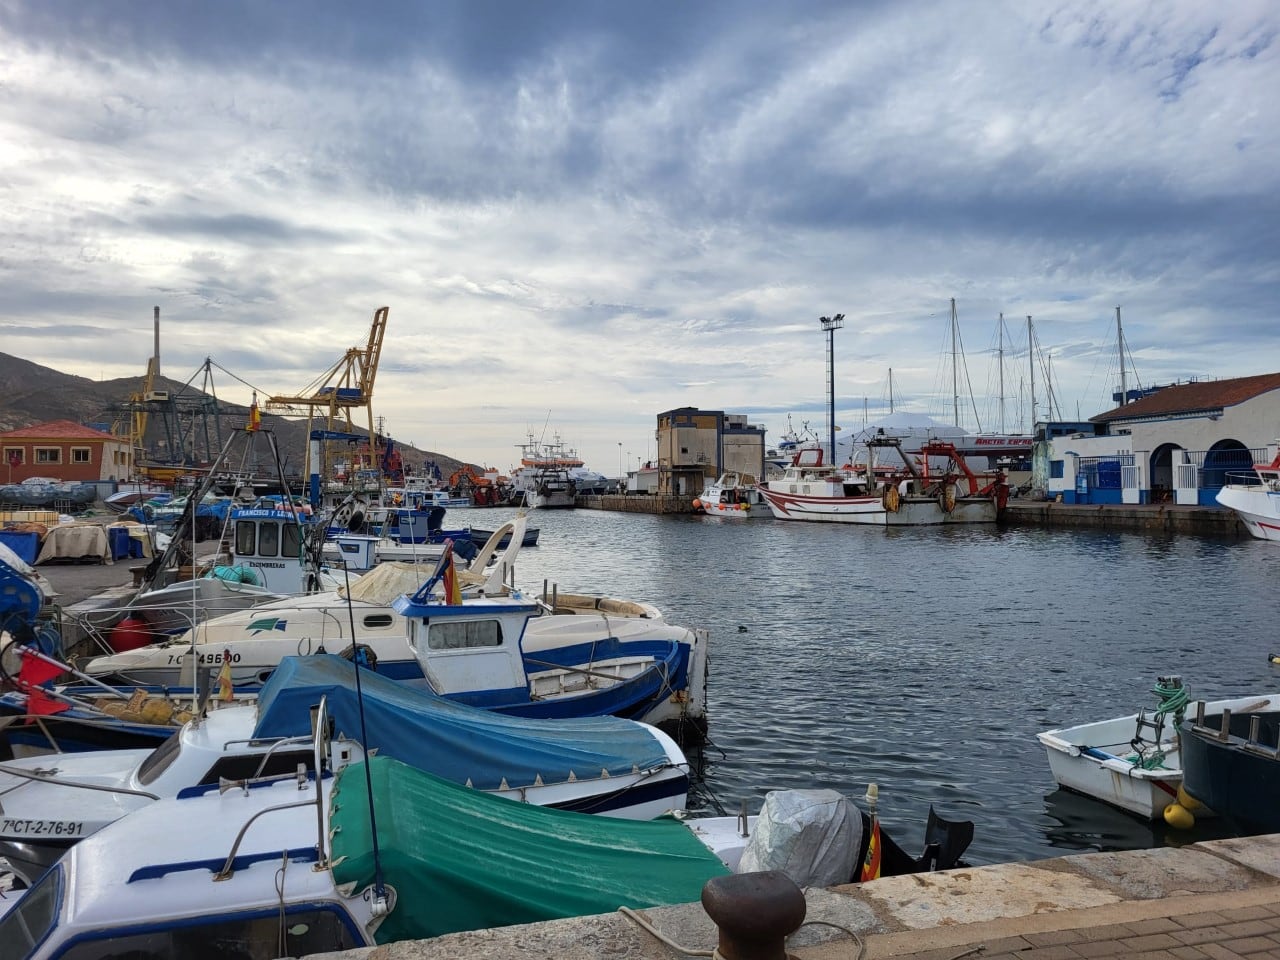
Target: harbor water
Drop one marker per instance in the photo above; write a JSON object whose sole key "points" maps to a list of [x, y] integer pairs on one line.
{"points": [[926, 660]]}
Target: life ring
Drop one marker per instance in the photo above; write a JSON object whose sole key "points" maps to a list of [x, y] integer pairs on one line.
{"points": [[891, 499], [947, 497]]}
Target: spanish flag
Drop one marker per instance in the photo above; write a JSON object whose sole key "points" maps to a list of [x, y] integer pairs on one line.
{"points": [[224, 678], [452, 592], [871, 863]]}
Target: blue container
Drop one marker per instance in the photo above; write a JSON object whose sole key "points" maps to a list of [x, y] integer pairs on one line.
{"points": [[118, 538], [25, 545]]}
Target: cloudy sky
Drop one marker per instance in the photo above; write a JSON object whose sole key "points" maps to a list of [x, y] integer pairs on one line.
{"points": [[584, 213]]}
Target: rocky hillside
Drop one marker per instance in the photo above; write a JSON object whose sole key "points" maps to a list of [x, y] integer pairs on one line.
{"points": [[30, 393]]}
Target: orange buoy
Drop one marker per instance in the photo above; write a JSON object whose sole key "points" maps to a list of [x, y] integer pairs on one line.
{"points": [[697, 504], [130, 634]]}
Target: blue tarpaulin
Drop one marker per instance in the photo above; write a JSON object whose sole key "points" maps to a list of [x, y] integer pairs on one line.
{"points": [[451, 740]]}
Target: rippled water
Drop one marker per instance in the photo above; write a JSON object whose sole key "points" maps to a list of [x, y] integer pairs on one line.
{"points": [[927, 660]]}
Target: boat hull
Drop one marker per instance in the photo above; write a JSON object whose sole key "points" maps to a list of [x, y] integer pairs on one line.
{"points": [[798, 506], [1235, 774], [1257, 506]]}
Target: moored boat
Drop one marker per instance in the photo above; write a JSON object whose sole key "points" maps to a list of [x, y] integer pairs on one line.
{"points": [[1255, 498], [733, 495], [602, 765], [1134, 762], [1231, 762]]}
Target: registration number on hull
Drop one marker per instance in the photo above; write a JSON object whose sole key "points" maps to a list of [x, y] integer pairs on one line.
{"points": [[42, 828]]}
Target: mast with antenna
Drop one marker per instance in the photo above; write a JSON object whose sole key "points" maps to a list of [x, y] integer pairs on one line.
{"points": [[891, 391], [1001, 366], [1124, 392], [1031, 362], [955, 379]]}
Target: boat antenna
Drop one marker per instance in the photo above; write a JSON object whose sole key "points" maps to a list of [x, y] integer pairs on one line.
{"points": [[379, 884]]}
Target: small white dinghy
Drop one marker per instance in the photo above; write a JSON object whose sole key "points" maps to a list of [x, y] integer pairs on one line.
{"points": [[1132, 762]]}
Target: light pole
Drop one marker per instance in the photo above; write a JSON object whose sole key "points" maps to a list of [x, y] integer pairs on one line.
{"points": [[829, 326], [621, 473]]}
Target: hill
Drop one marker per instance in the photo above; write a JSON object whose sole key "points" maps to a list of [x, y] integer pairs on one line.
{"points": [[31, 393]]}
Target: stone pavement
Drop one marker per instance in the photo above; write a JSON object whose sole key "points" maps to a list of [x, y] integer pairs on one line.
{"points": [[1219, 899]]}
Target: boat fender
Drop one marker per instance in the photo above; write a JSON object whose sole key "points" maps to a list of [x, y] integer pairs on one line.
{"points": [[891, 500], [947, 497], [1179, 817], [1187, 800]]}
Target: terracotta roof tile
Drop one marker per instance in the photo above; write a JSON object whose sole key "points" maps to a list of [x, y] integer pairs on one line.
{"points": [[56, 430], [1193, 397]]}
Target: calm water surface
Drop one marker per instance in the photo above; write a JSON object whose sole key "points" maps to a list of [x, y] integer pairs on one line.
{"points": [[926, 660]]}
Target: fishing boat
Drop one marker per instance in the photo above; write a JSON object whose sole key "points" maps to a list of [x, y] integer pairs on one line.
{"points": [[601, 765], [376, 853], [1133, 762], [811, 489], [1231, 762], [1255, 498], [733, 495]]}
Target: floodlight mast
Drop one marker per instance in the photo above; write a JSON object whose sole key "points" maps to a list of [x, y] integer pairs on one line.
{"points": [[829, 326]]}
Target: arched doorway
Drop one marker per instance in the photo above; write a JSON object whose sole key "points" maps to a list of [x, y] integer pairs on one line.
{"points": [[1224, 457], [1162, 472]]}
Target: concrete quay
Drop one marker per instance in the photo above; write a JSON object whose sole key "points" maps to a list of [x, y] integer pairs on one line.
{"points": [[1215, 900], [1141, 518]]}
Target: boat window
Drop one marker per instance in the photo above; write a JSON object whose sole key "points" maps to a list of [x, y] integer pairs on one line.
{"points": [[378, 621], [29, 920], [292, 545], [451, 635], [243, 766], [160, 758], [245, 537], [269, 540], [298, 933]]}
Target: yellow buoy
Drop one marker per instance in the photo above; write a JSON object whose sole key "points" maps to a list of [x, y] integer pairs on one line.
{"points": [[1179, 817], [1187, 800]]}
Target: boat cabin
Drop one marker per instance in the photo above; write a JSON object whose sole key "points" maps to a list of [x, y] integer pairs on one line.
{"points": [[268, 541]]}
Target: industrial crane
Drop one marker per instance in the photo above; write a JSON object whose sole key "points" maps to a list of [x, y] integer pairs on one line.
{"points": [[343, 388]]}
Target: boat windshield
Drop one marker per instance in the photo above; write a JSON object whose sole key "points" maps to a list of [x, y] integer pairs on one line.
{"points": [[29, 920], [159, 759]]}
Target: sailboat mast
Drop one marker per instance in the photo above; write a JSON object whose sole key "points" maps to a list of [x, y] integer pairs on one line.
{"points": [[1001, 359], [1124, 392], [1031, 358], [955, 379], [891, 391]]}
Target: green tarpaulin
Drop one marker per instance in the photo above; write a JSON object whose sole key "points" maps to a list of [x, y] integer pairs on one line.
{"points": [[460, 859]]}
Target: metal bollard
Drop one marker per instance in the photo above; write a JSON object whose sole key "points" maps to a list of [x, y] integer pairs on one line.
{"points": [[755, 913]]}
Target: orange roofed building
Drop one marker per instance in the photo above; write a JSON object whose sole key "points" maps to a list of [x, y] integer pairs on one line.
{"points": [[63, 450]]}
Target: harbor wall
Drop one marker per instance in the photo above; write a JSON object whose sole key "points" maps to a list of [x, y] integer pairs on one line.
{"points": [[1142, 518]]}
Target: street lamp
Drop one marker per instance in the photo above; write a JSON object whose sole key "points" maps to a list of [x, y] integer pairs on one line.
{"points": [[829, 326], [620, 471]]}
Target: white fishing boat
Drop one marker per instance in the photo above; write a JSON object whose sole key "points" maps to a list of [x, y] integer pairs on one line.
{"points": [[1132, 762], [1255, 498], [603, 766], [732, 495]]}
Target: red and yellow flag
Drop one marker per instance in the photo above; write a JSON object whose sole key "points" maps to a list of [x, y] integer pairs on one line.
{"points": [[871, 863], [452, 592], [224, 678]]}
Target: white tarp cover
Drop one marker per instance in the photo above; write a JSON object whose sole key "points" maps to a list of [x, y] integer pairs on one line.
{"points": [[386, 581], [810, 835]]}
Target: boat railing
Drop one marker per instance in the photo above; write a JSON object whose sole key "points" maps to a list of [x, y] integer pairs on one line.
{"points": [[41, 775], [1242, 479], [319, 738]]}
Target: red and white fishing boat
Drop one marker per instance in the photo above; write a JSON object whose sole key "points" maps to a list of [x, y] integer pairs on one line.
{"points": [[1256, 499], [925, 489], [813, 490]]}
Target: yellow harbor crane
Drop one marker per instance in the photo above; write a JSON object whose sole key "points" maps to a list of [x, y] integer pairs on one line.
{"points": [[345, 387]]}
